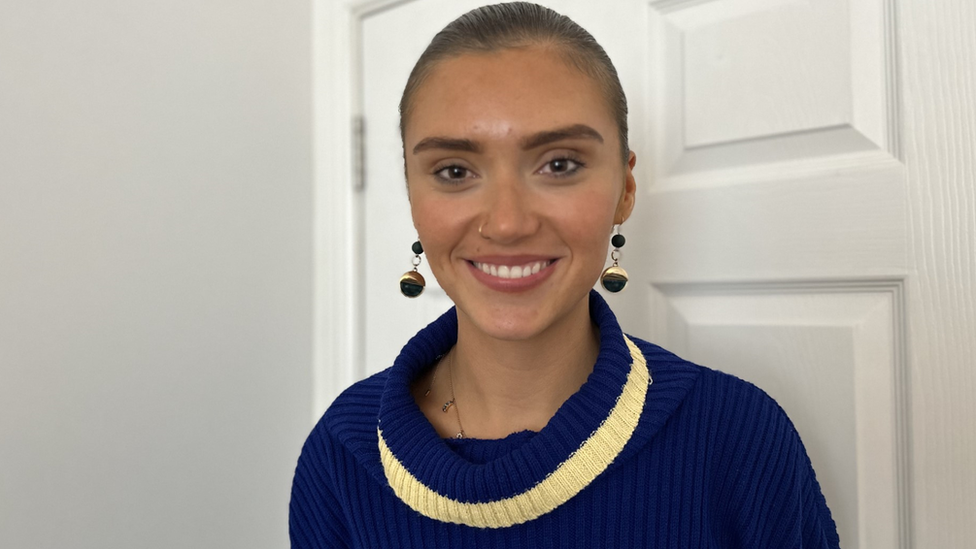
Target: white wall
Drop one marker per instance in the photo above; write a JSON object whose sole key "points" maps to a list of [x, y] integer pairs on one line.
{"points": [[155, 271]]}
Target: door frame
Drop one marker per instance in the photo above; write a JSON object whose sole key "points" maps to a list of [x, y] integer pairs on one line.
{"points": [[337, 353]]}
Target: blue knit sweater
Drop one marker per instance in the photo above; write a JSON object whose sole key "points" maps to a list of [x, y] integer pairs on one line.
{"points": [[652, 451]]}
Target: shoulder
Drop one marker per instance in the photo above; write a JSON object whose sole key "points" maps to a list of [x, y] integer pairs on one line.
{"points": [[334, 458], [358, 403], [763, 477], [737, 396], [732, 429], [355, 410], [712, 399], [719, 387], [690, 404], [348, 427]]}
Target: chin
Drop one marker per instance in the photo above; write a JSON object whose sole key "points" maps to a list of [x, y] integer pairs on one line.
{"points": [[515, 317], [510, 332], [508, 323]]}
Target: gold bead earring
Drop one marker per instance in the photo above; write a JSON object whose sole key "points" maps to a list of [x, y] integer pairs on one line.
{"points": [[614, 278], [412, 283]]}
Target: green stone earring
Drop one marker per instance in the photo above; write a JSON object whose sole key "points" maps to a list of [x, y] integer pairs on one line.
{"points": [[614, 278], [412, 283]]}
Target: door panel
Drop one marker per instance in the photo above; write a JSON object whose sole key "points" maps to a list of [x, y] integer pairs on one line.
{"points": [[774, 229], [830, 355]]}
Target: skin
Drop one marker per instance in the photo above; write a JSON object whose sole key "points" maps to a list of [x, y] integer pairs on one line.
{"points": [[481, 152]]}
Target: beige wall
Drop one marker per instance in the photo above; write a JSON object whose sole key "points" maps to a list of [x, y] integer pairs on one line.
{"points": [[155, 271]]}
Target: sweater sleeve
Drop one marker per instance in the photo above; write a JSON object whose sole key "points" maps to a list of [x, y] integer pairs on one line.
{"points": [[775, 499], [316, 519]]}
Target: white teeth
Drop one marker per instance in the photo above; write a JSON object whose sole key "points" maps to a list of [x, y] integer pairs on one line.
{"points": [[516, 271]]}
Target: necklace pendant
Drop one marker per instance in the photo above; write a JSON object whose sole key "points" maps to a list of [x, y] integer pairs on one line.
{"points": [[447, 405], [459, 435]]}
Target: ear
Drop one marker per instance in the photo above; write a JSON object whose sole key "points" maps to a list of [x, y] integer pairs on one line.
{"points": [[626, 204]]}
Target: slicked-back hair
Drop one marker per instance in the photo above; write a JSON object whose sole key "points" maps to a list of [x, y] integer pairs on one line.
{"points": [[515, 25]]}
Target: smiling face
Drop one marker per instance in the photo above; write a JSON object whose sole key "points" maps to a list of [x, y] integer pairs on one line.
{"points": [[522, 146]]}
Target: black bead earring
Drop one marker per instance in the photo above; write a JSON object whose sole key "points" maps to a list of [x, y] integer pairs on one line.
{"points": [[614, 278], [412, 283]]}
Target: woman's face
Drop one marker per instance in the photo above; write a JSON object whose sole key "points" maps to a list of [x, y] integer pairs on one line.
{"points": [[521, 145]]}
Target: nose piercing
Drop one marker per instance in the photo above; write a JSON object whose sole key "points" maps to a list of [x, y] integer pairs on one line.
{"points": [[481, 234]]}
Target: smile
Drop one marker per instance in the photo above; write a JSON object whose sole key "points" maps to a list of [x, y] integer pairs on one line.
{"points": [[512, 271]]}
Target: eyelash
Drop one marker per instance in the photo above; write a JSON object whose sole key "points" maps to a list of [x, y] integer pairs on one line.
{"points": [[437, 173], [565, 157]]}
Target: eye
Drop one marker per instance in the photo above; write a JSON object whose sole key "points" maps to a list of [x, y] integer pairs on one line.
{"points": [[453, 173], [562, 166]]}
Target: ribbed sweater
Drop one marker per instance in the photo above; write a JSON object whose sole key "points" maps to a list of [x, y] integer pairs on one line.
{"points": [[652, 451]]}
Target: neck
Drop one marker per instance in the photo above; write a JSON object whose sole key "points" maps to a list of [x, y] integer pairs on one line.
{"points": [[505, 386]]}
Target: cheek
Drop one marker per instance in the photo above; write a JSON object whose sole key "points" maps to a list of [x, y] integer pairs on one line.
{"points": [[589, 221], [438, 224]]}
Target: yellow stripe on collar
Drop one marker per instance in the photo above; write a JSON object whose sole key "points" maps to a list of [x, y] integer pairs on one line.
{"points": [[572, 475]]}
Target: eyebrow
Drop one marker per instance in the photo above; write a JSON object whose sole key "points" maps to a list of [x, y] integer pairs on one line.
{"points": [[447, 143], [576, 131]]}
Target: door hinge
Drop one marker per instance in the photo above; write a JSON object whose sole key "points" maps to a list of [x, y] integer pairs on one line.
{"points": [[359, 153]]}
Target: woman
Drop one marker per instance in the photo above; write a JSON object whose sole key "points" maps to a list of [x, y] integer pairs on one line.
{"points": [[524, 416]]}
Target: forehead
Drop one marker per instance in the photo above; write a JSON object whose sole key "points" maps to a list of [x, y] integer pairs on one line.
{"points": [[510, 92]]}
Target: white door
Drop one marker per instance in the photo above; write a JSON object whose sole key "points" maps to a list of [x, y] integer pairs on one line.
{"points": [[805, 220]]}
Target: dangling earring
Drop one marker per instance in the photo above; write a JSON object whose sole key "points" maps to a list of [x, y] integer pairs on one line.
{"points": [[614, 278], [412, 282]]}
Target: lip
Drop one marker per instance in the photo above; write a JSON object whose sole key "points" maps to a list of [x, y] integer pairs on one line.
{"points": [[512, 284]]}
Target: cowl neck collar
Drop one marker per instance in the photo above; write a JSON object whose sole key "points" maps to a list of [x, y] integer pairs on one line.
{"points": [[586, 434]]}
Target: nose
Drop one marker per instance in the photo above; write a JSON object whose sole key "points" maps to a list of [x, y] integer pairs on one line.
{"points": [[509, 211]]}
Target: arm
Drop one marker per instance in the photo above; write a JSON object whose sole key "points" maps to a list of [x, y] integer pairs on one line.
{"points": [[773, 497], [315, 519]]}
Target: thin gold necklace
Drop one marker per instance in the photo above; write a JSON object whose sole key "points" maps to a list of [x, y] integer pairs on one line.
{"points": [[447, 405]]}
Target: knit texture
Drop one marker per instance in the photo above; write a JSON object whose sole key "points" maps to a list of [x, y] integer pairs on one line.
{"points": [[711, 462]]}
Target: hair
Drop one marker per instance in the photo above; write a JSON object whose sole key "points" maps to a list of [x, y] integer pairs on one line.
{"points": [[514, 25]]}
